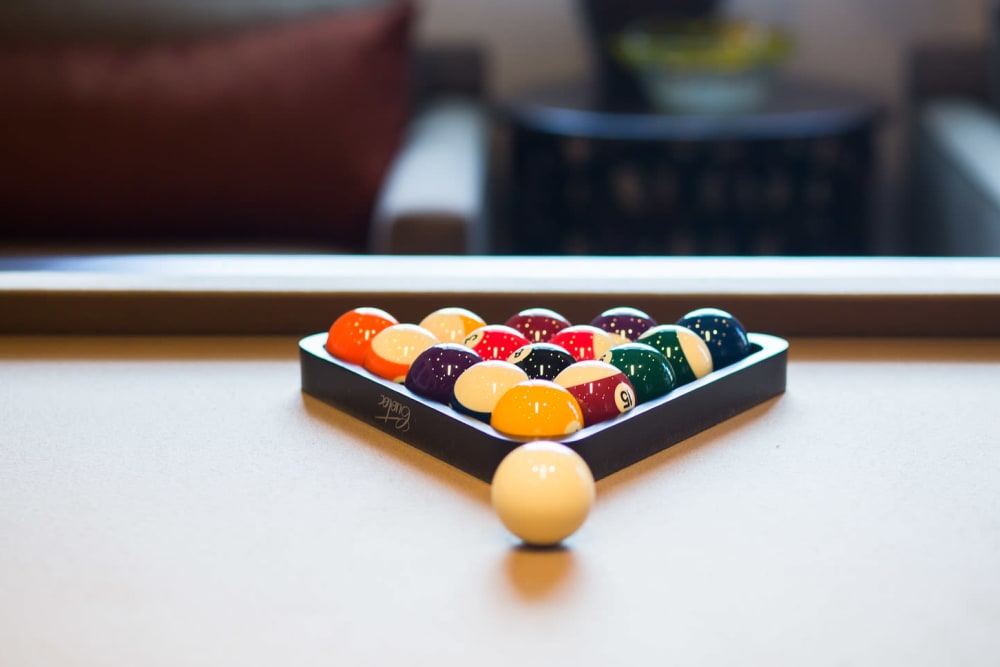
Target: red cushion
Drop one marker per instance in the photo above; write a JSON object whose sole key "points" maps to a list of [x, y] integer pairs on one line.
{"points": [[284, 132]]}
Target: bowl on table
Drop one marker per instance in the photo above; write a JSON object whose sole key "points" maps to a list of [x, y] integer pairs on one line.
{"points": [[706, 66]]}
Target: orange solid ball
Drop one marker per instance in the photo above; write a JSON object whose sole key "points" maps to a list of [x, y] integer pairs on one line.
{"points": [[351, 334]]}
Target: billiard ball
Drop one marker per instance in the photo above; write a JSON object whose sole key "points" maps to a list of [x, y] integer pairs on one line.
{"points": [[538, 324], [542, 492], [601, 389], [435, 370], [537, 409], [645, 367], [479, 387], [686, 352], [452, 325], [725, 336], [495, 341], [542, 361], [351, 334], [585, 342], [394, 349], [629, 323]]}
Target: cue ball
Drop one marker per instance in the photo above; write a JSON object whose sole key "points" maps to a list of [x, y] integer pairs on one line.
{"points": [[685, 351], [537, 409], [538, 324], [585, 342], [725, 336], [351, 334], [395, 348], [542, 492], [478, 389], [601, 389], [495, 341], [542, 361], [452, 325], [629, 323], [434, 372]]}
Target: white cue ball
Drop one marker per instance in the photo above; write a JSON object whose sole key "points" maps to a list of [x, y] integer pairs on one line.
{"points": [[542, 491]]}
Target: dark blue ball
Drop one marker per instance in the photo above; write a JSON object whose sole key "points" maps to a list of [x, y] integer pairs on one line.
{"points": [[725, 336]]}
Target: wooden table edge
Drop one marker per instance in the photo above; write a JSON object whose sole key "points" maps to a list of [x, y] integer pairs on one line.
{"points": [[279, 296]]}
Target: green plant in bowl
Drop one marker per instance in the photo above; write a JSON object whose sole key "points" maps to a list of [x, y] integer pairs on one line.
{"points": [[710, 66]]}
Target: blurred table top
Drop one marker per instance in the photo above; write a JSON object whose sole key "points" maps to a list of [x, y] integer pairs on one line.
{"points": [[795, 109]]}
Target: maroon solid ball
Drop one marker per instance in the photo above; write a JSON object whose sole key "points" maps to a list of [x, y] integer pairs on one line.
{"points": [[434, 372], [538, 324], [627, 322]]}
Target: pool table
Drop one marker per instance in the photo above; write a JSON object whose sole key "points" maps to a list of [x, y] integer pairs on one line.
{"points": [[169, 496]]}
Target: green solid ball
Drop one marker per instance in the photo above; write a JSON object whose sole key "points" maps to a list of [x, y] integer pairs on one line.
{"points": [[646, 368], [686, 352]]}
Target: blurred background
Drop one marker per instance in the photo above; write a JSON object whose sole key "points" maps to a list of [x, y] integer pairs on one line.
{"points": [[868, 47], [774, 127]]}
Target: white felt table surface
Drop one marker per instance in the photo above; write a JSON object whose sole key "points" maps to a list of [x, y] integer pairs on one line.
{"points": [[178, 501]]}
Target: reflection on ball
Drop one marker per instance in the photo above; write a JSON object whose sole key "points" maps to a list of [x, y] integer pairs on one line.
{"points": [[495, 341], [602, 390], [542, 492], [629, 323], [351, 334], [724, 334], [685, 351], [537, 409], [645, 367], [435, 370], [585, 342], [542, 361], [396, 347], [478, 389], [452, 325], [538, 324]]}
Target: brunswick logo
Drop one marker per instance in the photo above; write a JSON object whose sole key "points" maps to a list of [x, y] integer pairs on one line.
{"points": [[395, 413]]}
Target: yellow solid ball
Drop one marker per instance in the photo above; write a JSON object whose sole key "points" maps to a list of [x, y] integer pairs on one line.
{"points": [[542, 491]]}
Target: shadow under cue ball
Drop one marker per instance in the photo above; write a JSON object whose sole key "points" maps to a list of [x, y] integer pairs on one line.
{"points": [[542, 491]]}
